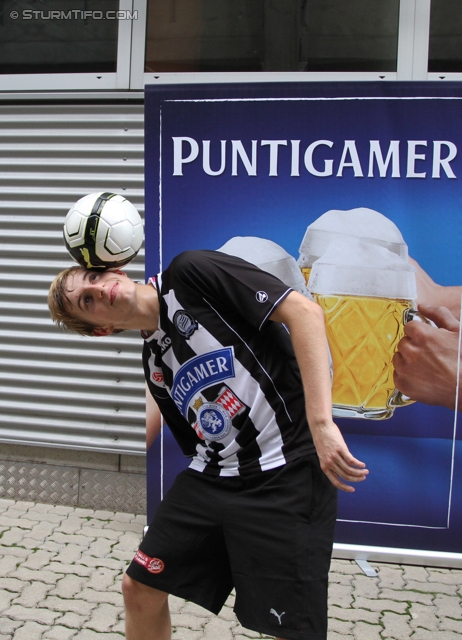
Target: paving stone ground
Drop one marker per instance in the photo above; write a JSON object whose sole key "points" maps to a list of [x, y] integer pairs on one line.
{"points": [[61, 569]]}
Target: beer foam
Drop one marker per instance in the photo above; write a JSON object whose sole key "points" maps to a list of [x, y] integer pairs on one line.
{"points": [[356, 268], [268, 256], [363, 223]]}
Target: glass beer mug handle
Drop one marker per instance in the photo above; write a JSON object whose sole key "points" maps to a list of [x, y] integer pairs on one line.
{"points": [[398, 399], [413, 314]]}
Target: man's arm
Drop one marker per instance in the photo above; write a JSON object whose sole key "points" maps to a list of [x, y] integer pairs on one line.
{"points": [[153, 419], [426, 362], [430, 293], [305, 321]]}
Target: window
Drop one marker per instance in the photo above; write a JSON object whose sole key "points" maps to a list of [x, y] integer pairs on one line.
{"points": [[204, 35], [445, 54], [350, 36], [56, 36], [276, 35], [83, 45]]}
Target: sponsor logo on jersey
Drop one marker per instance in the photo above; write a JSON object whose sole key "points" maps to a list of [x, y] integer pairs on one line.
{"points": [[261, 296], [184, 323], [153, 565], [201, 372], [165, 344], [214, 421], [156, 373]]}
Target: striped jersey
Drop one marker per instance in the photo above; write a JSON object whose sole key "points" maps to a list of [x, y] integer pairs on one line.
{"points": [[223, 374]]}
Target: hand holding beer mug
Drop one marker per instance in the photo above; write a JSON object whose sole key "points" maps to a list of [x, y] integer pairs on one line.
{"points": [[363, 223], [367, 294]]}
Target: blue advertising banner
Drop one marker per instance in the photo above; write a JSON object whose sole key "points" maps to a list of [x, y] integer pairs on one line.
{"points": [[330, 172]]}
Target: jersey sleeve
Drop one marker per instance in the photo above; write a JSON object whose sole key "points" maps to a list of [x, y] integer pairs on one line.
{"points": [[228, 281]]}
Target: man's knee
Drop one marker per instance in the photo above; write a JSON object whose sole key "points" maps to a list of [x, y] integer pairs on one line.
{"points": [[136, 595]]}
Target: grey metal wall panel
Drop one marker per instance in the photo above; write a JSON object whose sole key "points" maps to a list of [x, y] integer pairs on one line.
{"points": [[58, 389]]}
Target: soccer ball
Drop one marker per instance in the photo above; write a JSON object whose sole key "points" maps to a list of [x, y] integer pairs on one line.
{"points": [[103, 230]]}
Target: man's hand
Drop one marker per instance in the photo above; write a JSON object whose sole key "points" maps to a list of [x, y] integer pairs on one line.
{"points": [[335, 458], [435, 295], [426, 361], [305, 321]]}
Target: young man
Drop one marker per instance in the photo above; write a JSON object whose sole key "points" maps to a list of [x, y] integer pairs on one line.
{"points": [[254, 511]]}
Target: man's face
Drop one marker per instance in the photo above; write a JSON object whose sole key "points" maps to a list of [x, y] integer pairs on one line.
{"points": [[104, 299]]}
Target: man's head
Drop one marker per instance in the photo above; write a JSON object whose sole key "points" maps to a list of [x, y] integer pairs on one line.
{"points": [[60, 305], [89, 302]]}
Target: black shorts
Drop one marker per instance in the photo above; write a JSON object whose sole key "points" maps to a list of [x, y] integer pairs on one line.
{"points": [[269, 537]]}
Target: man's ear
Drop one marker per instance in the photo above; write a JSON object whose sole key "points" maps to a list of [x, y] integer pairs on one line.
{"points": [[119, 271], [102, 331]]}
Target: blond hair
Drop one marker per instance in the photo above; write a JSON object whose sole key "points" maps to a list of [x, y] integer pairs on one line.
{"points": [[61, 307]]}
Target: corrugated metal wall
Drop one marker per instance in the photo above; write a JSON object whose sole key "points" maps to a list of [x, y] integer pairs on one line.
{"points": [[58, 389]]}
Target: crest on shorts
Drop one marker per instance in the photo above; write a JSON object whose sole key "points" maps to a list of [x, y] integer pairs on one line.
{"points": [[153, 565]]}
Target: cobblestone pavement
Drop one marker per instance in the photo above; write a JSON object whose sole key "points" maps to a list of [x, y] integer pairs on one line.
{"points": [[61, 567]]}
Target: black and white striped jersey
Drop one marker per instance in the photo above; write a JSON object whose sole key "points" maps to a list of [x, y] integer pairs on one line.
{"points": [[225, 377]]}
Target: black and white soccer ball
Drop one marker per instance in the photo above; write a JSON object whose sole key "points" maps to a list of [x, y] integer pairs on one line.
{"points": [[103, 230]]}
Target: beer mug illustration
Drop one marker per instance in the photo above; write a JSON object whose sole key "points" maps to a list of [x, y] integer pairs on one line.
{"points": [[270, 257], [363, 223], [367, 294]]}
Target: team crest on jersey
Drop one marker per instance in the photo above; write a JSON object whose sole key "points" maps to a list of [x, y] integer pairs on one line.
{"points": [[214, 421], [184, 323]]}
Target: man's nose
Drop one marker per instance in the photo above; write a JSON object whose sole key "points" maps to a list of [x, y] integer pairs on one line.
{"points": [[96, 288]]}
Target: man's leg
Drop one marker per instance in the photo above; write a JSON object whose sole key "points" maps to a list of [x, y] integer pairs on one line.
{"points": [[146, 611], [279, 541]]}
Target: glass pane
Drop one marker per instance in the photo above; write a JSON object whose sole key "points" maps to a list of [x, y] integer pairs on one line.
{"points": [[58, 36], [271, 35], [204, 35], [445, 54], [350, 35]]}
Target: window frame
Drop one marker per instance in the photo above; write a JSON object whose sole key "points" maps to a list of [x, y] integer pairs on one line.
{"points": [[118, 79], [412, 61]]}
